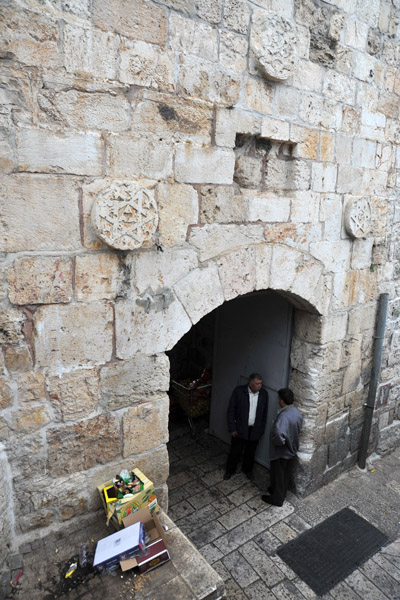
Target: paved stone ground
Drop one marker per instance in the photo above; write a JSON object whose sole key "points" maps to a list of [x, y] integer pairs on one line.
{"points": [[239, 534], [234, 531]]}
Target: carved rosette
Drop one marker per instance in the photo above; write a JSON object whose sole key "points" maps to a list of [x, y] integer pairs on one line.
{"points": [[357, 217], [125, 216], [273, 44]]}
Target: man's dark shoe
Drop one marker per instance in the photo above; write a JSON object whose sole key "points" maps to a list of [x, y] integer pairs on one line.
{"points": [[227, 475], [247, 473], [268, 500]]}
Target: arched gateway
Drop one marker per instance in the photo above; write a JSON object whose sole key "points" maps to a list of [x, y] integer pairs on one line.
{"points": [[151, 322]]}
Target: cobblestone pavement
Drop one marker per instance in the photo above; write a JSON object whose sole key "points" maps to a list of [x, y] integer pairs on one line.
{"points": [[234, 531], [239, 534]]}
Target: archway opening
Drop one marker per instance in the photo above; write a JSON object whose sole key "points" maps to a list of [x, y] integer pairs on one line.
{"points": [[251, 333]]}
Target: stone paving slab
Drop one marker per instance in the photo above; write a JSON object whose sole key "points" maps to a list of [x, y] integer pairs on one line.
{"points": [[245, 555]]}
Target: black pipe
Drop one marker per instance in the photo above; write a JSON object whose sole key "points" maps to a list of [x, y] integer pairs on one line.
{"points": [[375, 372]]}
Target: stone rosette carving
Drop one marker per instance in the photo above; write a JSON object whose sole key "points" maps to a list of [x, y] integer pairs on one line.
{"points": [[357, 217], [125, 216], [273, 43]]}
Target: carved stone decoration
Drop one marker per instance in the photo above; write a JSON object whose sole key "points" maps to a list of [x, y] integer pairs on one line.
{"points": [[273, 44], [357, 217], [125, 216]]}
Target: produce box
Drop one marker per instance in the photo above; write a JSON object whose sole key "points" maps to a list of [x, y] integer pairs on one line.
{"points": [[118, 509]]}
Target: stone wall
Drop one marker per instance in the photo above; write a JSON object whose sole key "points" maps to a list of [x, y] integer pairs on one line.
{"points": [[159, 159]]}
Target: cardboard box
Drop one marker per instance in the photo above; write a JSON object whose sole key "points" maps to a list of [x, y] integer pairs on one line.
{"points": [[116, 511], [119, 546], [156, 549]]}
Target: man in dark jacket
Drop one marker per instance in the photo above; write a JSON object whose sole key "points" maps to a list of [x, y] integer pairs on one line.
{"points": [[247, 417], [283, 446]]}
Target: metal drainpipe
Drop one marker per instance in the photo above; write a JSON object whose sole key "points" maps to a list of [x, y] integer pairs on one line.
{"points": [[375, 372]]}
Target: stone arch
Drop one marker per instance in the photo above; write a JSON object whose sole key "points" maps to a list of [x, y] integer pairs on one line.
{"points": [[154, 321]]}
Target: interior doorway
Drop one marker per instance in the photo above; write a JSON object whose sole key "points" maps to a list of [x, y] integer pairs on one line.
{"points": [[247, 334]]}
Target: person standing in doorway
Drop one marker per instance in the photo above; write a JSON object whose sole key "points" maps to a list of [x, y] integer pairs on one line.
{"points": [[247, 417], [283, 446]]}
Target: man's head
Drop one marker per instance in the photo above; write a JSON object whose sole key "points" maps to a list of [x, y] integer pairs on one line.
{"points": [[255, 382], [285, 397]]}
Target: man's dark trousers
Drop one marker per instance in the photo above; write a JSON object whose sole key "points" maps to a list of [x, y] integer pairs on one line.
{"points": [[280, 471], [237, 446]]}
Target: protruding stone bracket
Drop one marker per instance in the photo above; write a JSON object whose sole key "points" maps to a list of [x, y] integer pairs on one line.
{"points": [[357, 217], [273, 44], [125, 216]]}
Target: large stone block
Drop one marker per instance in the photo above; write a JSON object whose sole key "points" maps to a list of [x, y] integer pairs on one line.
{"points": [[257, 95], [175, 118], [28, 420], [262, 262], [130, 155], [45, 501], [294, 235], [334, 255], [233, 51], [124, 383], [146, 65], [187, 36], [389, 437], [200, 292], [295, 272], [11, 326], [75, 395], [194, 164], [220, 204], [209, 10], [237, 273], [323, 177], [230, 122], [90, 52], [31, 388], [17, 358], [139, 329], [97, 277], [178, 207], [145, 426], [202, 79], [6, 393], [40, 281], [32, 38], [137, 19], [304, 207], [364, 153], [93, 111], [41, 151], [161, 270], [237, 16], [306, 141], [80, 446], [248, 172], [213, 240], [59, 343], [320, 330], [39, 213], [267, 208]]}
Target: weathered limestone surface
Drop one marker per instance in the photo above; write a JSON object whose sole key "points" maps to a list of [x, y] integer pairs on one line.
{"points": [[150, 332], [289, 185], [74, 396], [40, 281], [77, 447], [178, 208], [58, 341], [39, 213], [127, 382], [145, 425]]}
